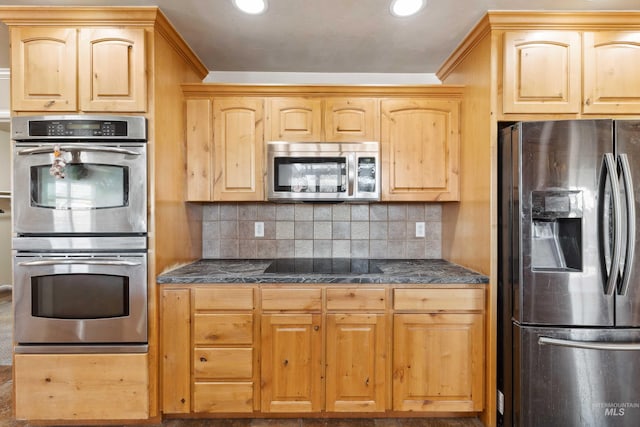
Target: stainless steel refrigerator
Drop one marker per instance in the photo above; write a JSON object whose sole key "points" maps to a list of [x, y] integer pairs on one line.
{"points": [[569, 274]]}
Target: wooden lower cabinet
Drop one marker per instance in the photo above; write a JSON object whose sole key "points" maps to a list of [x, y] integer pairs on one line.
{"points": [[438, 350], [291, 346], [291, 349], [356, 362], [81, 386]]}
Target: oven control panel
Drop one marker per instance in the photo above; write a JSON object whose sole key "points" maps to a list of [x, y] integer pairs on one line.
{"points": [[79, 127]]}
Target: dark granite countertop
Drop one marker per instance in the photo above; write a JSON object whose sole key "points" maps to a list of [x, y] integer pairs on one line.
{"points": [[427, 271]]}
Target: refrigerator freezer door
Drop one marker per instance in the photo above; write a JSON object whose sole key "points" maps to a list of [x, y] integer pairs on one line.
{"points": [[577, 377], [560, 164], [627, 137]]}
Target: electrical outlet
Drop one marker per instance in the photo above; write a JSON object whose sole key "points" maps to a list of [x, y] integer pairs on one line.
{"points": [[419, 229], [259, 229]]}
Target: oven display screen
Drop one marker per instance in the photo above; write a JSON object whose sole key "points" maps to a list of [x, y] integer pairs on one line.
{"points": [[74, 126]]}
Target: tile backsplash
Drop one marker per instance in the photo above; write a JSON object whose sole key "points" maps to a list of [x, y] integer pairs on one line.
{"points": [[305, 230]]}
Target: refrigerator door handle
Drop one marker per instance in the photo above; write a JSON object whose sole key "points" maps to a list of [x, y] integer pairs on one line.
{"points": [[609, 171], [623, 162], [589, 345]]}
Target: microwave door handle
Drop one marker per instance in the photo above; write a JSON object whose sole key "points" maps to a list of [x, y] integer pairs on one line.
{"points": [[49, 150], [47, 262], [351, 174]]}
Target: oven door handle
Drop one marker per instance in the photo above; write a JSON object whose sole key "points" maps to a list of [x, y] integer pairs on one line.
{"points": [[96, 261], [49, 150]]}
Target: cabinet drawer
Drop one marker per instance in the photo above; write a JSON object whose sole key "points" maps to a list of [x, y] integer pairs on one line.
{"points": [[223, 363], [223, 329], [292, 299], [223, 298], [356, 299], [438, 299], [223, 397]]}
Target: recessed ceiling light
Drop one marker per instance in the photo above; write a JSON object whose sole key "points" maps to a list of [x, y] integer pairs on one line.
{"points": [[403, 8], [253, 7]]}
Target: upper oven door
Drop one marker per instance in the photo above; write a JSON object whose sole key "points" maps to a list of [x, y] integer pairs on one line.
{"points": [[103, 189]]}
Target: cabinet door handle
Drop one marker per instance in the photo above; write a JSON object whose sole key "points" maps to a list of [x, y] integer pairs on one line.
{"points": [[316, 328], [203, 359], [588, 101], [49, 104]]}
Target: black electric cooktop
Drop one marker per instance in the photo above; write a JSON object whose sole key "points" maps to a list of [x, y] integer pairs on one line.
{"points": [[323, 266]]}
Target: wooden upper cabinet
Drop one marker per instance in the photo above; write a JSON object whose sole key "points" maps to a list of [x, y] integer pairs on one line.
{"points": [[87, 69], [420, 150], [611, 77], [238, 149], [199, 136], [296, 119], [44, 69], [351, 120], [542, 72], [111, 69]]}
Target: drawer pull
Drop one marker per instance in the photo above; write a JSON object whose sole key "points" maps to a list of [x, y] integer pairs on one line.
{"points": [[316, 328], [286, 362], [203, 359]]}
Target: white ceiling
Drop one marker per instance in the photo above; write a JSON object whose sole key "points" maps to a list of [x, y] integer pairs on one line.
{"points": [[326, 36]]}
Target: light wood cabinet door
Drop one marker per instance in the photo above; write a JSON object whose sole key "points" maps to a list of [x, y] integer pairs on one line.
{"points": [[111, 69], [295, 119], [238, 138], [292, 360], [175, 348], [420, 142], [199, 137], [542, 72], [438, 362], [43, 64], [351, 120], [81, 386], [356, 369], [611, 78]]}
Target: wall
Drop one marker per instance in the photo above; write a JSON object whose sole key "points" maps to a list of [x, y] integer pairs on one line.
{"points": [[5, 90], [5, 174], [5, 206], [253, 77], [303, 230]]}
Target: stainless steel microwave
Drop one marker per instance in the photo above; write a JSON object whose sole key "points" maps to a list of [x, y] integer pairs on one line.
{"points": [[323, 171]]}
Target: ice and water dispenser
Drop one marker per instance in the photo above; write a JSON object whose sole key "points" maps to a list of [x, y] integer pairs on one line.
{"points": [[556, 243]]}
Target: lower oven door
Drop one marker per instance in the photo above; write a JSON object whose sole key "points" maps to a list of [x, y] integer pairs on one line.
{"points": [[80, 300]]}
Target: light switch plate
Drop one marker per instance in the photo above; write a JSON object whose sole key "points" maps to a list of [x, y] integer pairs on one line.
{"points": [[419, 229], [258, 229]]}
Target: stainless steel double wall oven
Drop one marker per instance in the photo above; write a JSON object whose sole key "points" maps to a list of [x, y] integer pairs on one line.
{"points": [[80, 233]]}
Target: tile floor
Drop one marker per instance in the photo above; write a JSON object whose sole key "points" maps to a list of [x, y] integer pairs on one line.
{"points": [[6, 419]]}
